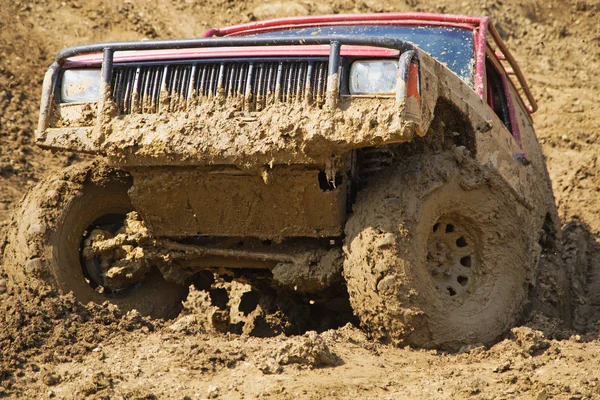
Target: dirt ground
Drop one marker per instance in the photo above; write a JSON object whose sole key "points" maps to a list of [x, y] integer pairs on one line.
{"points": [[56, 348]]}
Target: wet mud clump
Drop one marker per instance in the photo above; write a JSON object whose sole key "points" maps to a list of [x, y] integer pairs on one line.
{"points": [[231, 306]]}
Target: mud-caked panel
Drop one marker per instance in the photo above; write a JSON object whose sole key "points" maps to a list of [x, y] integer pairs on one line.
{"points": [[283, 202]]}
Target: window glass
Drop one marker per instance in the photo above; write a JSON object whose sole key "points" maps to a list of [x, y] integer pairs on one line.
{"points": [[496, 96]]}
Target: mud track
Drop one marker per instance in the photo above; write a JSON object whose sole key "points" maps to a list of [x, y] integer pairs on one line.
{"points": [[53, 347]]}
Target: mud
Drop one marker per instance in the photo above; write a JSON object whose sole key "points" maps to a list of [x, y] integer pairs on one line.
{"points": [[128, 255], [218, 132], [53, 347], [311, 272], [121, 260], [188, 202]]}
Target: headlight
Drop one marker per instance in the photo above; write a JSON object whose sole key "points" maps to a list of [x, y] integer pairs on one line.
{"points": [[80, 85], [373, 77]]}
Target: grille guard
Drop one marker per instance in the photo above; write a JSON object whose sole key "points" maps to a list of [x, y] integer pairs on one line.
{"points": [[408, 54]]}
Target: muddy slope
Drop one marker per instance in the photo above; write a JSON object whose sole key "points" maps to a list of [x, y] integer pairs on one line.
{"points": [[54, 348]]}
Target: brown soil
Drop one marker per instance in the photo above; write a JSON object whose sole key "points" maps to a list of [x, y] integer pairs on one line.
{"points": [[53, 347]]}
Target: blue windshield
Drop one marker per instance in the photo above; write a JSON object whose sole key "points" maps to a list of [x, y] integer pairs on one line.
{"points": [[450, 46]]}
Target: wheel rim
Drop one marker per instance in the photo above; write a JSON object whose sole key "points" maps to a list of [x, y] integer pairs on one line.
{"points": [[452, 258], [92, 267]]}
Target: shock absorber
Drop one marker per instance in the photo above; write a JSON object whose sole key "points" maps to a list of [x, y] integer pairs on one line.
{"points": [[371, 160]]}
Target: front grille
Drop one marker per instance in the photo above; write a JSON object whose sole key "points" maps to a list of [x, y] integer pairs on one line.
{"points": [[169, 87]]}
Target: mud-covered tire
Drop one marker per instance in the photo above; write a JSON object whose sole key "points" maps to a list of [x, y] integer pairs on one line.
{"points": [[44, 239], [404, 278]]}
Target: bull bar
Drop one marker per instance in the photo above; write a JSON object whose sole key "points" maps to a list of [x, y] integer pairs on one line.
{"points": [[408, 53]]}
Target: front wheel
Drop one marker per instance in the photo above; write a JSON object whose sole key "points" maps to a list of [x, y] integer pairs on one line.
{"points": [[50, 231], [438, 254]]}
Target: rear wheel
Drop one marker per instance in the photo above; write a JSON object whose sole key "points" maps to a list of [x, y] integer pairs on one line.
{"points": [[438, 254], [52, 228]]}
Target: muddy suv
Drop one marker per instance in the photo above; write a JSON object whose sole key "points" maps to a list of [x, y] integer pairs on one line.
{"points": [[391, 154]]}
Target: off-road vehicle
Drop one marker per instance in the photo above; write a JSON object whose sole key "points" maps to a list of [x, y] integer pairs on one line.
{"points": [[391, 152]]}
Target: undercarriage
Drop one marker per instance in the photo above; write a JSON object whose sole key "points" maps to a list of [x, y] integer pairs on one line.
{"points": [[119, 259]]}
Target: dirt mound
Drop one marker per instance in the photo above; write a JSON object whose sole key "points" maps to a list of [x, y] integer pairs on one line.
{"points": [[53, 347], [42, 329]]}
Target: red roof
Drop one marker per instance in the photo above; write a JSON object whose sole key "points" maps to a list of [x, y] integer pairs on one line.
{"points": [[399, 18]]}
